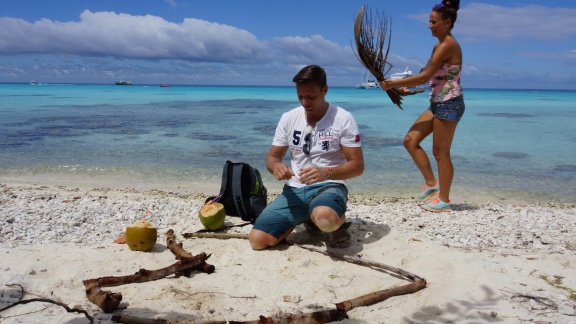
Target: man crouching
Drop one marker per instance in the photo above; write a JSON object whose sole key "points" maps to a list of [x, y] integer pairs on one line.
{"points": [[325, 150]]}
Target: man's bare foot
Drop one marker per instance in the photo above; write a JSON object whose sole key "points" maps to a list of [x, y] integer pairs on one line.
{"points": [[312, 229], [341, 238]]}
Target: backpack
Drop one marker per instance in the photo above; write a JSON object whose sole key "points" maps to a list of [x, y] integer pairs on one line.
{"points": [[242, 192]]}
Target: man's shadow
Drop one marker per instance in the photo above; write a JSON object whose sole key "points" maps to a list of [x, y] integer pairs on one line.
{"points": [[361, 233]]}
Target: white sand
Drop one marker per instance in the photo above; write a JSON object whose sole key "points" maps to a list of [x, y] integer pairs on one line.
{"points": [[475, 260]]}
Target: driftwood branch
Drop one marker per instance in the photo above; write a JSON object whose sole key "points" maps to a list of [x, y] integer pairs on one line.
{"points": [[109, 301], [381, 295], [377, 296], [370, 37], [138, 320], [417, 283], [325, 316], [364, 262], [223, 236], [356, 260], [182, 254]]}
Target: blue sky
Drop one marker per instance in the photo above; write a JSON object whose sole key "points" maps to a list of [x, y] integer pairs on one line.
{"points": [[514, 44]]}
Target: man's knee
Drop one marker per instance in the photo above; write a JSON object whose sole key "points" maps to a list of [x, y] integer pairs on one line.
{"points": [[326, 218], [327, 225], [260, 240]]}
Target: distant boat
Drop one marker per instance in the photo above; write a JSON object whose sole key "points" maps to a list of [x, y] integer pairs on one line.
{"points": [[163, 85], [122, 82], [33, 82], [367, 83], [401, 75]]}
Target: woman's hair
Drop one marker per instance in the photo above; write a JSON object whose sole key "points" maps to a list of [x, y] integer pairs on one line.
{"points": [[311, 74], [448, 9]]}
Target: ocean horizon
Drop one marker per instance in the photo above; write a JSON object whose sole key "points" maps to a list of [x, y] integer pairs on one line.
{"points": [[291, 86], [517, 144]]}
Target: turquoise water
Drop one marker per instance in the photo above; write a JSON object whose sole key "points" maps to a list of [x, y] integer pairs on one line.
{"points": [[515, 143]]}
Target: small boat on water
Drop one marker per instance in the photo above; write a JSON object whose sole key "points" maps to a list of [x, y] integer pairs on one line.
{"points": [[401, 75], [367, 83], [33, 82], [122, 82], [372, 84], [164, 85]]}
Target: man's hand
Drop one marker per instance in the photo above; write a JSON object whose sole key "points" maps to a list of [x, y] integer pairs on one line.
{"points": [[282, 172], [313, 174]]}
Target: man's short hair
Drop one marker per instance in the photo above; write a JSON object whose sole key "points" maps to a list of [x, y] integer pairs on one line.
{"points": [[311, 74]]}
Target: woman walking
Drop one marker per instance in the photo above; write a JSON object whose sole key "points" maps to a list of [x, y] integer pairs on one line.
{"points": [[446, 108]]}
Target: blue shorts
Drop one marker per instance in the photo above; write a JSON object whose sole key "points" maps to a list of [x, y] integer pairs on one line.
{"points": [[295, 205], [451, 110]]}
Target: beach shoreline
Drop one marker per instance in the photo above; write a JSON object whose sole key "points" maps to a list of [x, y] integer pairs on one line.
{"points": [[480, 261], [212, 188]]}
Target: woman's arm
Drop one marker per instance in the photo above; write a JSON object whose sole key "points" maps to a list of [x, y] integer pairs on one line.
{"points": [[441, 53]]}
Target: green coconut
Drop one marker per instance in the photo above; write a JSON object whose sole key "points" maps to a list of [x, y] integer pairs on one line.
{"points": [[141, 236], [212, 215]]}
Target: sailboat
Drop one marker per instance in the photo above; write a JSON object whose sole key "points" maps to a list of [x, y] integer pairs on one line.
{"points": [[367, 83]]}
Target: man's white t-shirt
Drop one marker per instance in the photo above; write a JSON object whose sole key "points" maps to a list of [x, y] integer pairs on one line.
{"points": [[336, 129]]}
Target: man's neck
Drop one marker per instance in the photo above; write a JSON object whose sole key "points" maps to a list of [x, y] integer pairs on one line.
{"points": [[315, 116]]}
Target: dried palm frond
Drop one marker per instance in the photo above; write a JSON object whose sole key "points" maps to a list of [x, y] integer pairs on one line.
{"points": [[370, 37]]}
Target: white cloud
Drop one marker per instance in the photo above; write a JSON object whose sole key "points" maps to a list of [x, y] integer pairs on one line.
{"points": [[486, 21], [569, 55], [312, 50], [532, 21], [124, 35], [172, 3]]}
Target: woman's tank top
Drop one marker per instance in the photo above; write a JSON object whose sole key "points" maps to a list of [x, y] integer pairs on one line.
{"points": [[445, 84]]}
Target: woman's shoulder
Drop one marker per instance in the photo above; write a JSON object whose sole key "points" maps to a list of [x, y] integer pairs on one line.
{"points": [[452, 50], [448, 42]]}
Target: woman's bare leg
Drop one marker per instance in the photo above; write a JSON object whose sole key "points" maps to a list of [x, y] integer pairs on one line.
{"points": [[421, 128], [441, 144]]}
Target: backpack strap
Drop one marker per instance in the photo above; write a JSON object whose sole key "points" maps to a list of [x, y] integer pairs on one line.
{"points": [[224, 181], [237, 191]]}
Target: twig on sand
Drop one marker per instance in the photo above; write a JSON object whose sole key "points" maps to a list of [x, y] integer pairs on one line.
{"points": [[543, 301], [46, 300]]}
